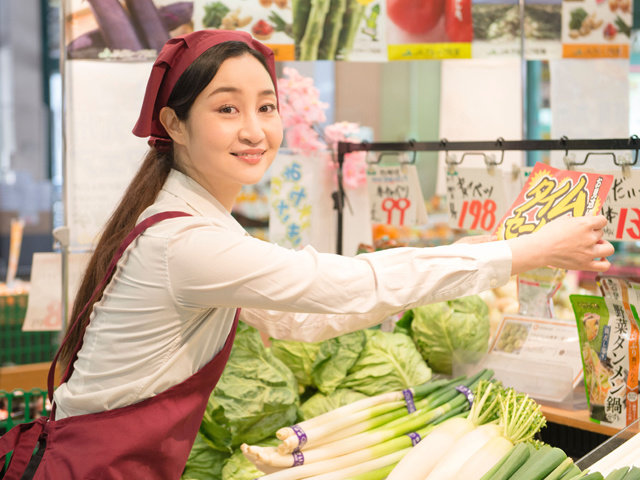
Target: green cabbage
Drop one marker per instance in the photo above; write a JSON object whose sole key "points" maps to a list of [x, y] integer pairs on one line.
{"points": [[256, 395], [237, 467], [204, 462], [454, 331], [320, 403], [388, 362], [335, 357], [298, 356]]}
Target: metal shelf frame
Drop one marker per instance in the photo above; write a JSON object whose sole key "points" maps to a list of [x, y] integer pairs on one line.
{"points": [[473, 147]]}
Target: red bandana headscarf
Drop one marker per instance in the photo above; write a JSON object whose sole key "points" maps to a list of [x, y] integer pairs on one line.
{"points": [[174, 58]]}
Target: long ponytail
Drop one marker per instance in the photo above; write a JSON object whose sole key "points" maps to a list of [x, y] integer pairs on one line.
{"points": [[141, 192]]}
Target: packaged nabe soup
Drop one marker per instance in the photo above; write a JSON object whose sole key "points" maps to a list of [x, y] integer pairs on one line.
{"points": [[608, 333]]}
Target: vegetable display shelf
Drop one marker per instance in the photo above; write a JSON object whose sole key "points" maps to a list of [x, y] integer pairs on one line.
{"points": [[20, 406], [573, 431], [18, 347]]}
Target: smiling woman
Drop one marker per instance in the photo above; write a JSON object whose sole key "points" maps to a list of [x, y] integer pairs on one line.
{"points": [[156, 313], [232, 132]]}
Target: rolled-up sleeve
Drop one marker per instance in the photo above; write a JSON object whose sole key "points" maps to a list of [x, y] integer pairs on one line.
{"points": [[325, 294]]}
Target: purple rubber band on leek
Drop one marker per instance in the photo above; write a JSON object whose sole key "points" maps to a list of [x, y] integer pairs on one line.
{"points": [[415, 438], [298, 457], [467, 393], [302, 437], [408, 400]]}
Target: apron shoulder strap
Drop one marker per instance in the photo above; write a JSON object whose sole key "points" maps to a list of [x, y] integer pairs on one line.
{"points": [[138, 229]]}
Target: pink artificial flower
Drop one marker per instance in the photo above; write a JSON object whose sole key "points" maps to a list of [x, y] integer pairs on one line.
{"points": [[302, 138], [354, 169]]}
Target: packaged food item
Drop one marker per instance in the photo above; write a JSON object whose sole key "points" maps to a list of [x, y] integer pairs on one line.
{"points": [[608, 332], [536, 289]]}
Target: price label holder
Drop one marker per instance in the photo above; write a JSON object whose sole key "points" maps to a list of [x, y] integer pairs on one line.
{"points": [[395, 195], [538, 356], [477, 197], [622, 206]]}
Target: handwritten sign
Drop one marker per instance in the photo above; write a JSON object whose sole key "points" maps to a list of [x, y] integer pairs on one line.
{"points": [[621, 206], [290, 203], [44, 310], [395, 195], [477, 197], [550, 193]]}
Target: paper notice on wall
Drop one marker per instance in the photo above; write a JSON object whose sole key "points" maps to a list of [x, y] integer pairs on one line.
{"points": [[268, 21], [543, 29], [486, 108], [589, 99], [44, 310], [103, 104], [596, 28], [496, 28], [429, 30], [113, 32], [363, 31]]}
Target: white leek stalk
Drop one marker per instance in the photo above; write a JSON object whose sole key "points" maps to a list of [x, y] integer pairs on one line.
{"points": [[485, 458], [361, 468], [462, 450], [421, 459]]}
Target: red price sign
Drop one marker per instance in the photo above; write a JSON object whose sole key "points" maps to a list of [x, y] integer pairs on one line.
{"points": [[628, 227], [476, 198], [482, 214], [620, 208]]}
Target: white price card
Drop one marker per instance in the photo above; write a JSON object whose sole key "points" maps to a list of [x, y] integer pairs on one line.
{"points": [[539, 340], [395, 195], [622, 207], [477, 197], [44, 310]]}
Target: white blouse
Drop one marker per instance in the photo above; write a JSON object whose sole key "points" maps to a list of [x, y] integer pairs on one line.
{"points": [[171, 302]]}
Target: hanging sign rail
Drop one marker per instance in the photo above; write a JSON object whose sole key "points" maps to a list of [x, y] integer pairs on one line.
{"points": [[473, 147]]}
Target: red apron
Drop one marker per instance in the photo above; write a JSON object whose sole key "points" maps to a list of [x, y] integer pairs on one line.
{"points": [[147, 440]]}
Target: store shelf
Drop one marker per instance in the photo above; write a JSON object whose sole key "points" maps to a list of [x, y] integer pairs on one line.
{"points": [[26, 377], [579, 419]]}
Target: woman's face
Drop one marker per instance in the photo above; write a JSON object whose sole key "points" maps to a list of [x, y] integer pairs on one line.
{"points": [[233, 130]]}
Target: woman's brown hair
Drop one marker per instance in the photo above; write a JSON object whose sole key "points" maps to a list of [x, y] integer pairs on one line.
{"points": [[145, 186]]}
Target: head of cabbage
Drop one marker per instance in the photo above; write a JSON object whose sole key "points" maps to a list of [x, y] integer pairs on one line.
{"points": [[456, 331]]}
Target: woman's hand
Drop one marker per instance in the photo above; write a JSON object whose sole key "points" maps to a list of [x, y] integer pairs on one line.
{"points": [[568, 242]]}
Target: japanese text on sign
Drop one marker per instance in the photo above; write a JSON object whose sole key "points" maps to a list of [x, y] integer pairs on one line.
{"points": [[395, 195], [290, 205], [551, 193], [621, 207], [475, 198]]}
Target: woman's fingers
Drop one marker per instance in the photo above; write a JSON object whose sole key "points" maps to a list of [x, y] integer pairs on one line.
{"points": [[603, 249], [599, 265]]}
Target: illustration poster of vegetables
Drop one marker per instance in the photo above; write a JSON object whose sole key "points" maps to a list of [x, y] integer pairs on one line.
{"points": [[543, 29], [434, 29], [363, 38], [550, 193], [269, 21], [596, 28], [496, 28], [129, 30]]}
